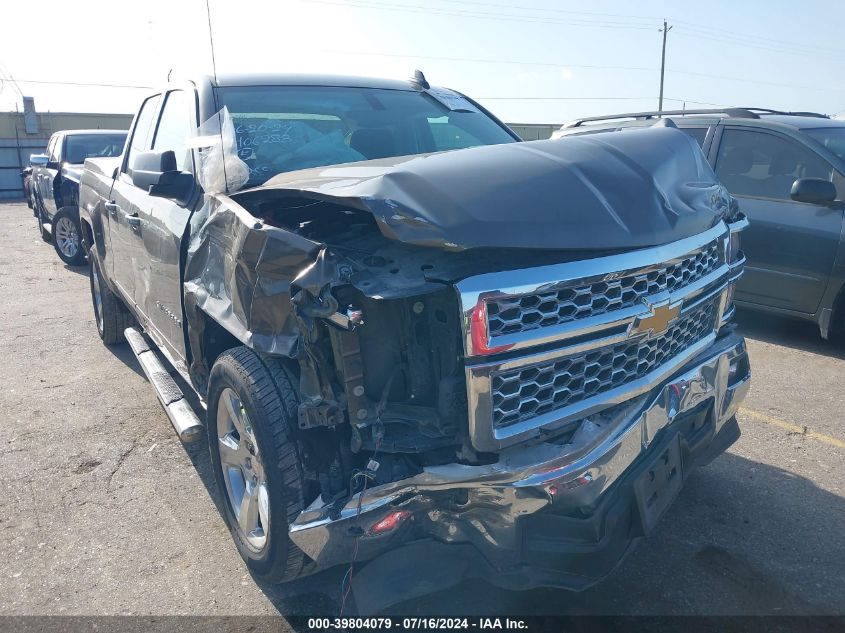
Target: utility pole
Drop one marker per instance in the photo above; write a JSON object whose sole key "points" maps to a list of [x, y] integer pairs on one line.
{"points": [[665, 30]]}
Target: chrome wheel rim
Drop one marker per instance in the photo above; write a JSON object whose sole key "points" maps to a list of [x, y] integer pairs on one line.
{"points": [[67, 238], [243, 470], [98, 299]]}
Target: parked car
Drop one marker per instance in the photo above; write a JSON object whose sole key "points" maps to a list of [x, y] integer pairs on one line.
{"points": [[414, 338], [26, 182], [787, 170], [55, 185]]}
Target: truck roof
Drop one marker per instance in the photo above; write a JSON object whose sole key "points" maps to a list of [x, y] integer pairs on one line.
{"points": [[273, 79], [90, 132]]}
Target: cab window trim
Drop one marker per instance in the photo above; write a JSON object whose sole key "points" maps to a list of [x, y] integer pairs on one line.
{"points": [[124, 168], [189, 120]]}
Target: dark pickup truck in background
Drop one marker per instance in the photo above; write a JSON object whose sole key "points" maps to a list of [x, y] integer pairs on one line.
{"points": [[55, 185], [787, 171], [501, 360]]}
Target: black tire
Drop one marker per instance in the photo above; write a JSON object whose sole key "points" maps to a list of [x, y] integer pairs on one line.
{"points": [[111, 316], [67, 236], [39, 222], [270, 402]]}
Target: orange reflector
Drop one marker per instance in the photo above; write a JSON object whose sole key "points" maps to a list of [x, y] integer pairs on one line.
{"points": [[390, 522]]}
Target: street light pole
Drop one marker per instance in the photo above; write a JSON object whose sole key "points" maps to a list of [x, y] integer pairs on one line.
{"points": [[665, 30]]}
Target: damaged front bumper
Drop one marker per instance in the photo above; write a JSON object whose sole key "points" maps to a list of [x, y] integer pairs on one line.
{"points": [[555, 514]]}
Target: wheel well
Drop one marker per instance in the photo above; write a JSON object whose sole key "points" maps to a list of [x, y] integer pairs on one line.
{"points": [[207, 340], [837, 326], [216, 340], [87, 234], [68, 194]]}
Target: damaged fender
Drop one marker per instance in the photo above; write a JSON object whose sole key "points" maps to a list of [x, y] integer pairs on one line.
{"points": [[251, 278]]}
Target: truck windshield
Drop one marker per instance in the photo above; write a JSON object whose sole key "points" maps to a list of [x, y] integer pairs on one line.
{"points": [[285, 128], [80, 147], [833, 138]]}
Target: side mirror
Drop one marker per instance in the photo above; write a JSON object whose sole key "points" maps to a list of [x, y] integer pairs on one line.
{"points": [[156, 173], [38, 160], [813, 191]]}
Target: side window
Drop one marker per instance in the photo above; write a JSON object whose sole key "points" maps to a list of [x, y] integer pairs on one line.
{"points": [[698, 133], [143, 132], [762, 165], [174, 129], [53, 150]]}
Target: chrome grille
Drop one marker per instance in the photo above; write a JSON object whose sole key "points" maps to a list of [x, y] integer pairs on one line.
{"points": [[529, 391], [521, 313]]}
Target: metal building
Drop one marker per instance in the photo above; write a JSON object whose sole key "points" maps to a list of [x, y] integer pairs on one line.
{"points": [[25, 133]]}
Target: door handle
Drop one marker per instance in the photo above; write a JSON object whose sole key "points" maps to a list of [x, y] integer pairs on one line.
{"points": [[112, 207], [133, 220]]}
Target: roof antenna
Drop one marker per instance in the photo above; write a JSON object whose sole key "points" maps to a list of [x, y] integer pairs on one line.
{"points": [[169, 72], [420, 80], [211, 39]]}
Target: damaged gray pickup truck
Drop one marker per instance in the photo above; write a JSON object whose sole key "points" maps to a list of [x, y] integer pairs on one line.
{"points": [[414, 340]]}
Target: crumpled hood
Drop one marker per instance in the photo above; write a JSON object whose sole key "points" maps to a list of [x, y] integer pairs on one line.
{"points": [[616, 190]]}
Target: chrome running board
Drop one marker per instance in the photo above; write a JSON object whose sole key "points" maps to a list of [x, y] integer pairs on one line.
{"points": [[185, 422]]}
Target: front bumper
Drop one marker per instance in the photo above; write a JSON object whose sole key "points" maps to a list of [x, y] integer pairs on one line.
{"points": [[556, 514]]}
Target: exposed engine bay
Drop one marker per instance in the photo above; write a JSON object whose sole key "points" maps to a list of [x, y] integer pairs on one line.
{"points": [[383, 352]]}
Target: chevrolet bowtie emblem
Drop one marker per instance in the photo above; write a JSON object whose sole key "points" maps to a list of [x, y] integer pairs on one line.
{"points": [[658, 321]]}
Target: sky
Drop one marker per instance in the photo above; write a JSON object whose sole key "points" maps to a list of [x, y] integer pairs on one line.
{"points": [[528, 61]]}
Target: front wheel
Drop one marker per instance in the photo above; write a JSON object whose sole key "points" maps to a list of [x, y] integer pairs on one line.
{"points": [[67, 236], [251, 411]]}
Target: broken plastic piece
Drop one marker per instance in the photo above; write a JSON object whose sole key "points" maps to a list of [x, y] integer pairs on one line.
{"points": [[220, 169]]}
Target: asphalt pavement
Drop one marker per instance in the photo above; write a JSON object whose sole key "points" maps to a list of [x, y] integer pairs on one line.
{"points": [[104, 512]]}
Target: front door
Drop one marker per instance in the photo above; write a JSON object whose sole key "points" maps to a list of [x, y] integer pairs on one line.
{"points": [[163, 224], [123, 215], [790, 246]]}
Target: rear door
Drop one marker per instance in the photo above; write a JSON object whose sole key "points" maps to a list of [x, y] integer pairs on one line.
{"points": [[128, 267], [790, 245], [163, 224]]}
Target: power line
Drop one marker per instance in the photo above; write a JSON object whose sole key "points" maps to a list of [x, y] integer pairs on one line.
{"points": [[407, 8], [744, 37], [81, 83], [646, 20], [7, 74], [479, 60], [684, 31], [490, 61], [689, 30]]}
